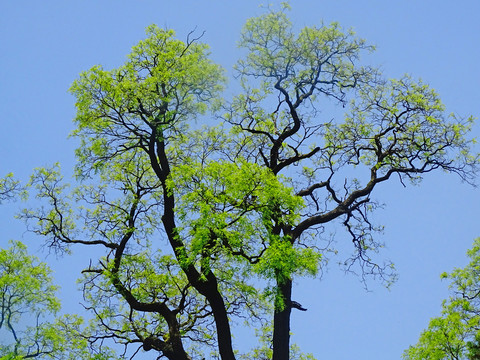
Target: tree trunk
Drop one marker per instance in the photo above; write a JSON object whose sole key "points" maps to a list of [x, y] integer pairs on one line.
{"points": [[208, 287], [281, 321]]}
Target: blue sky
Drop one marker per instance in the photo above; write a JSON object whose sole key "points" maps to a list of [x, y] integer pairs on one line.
{"points": [[428, 228]]}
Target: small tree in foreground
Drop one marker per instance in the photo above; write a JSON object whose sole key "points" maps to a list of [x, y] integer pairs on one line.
{"points": [[200, 228], [27, 303], [455, 335], [26, 291]]}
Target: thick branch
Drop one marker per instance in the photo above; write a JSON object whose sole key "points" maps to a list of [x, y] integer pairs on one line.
{"points": [[205, 285]]}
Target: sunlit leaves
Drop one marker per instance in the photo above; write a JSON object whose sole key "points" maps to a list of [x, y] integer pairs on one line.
{"points": [[235, 202], [455, 334], [26, 285], [27, 303], [8, 187], [284, 261], [400, 127], [202, 227], [153, 278], [163, 82], [316, 60]]}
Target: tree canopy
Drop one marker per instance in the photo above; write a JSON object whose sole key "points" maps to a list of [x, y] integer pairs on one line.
{"points": [[455, 334], [203, 211], [28, 302]]}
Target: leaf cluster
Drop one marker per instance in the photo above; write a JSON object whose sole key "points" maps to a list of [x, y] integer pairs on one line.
{"points": [[455, 334]]}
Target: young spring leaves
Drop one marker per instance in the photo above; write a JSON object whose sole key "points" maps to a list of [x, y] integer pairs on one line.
{"points": [[195, 227], [455, 335], [28, 303]]}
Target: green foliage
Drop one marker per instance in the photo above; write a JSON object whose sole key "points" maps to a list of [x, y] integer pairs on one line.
{"points": [[197, 227], [237, 202], [26, 286], [163, 83], [455, 334], [9, 187], [400, 126], [314, 56], [28, 297]]}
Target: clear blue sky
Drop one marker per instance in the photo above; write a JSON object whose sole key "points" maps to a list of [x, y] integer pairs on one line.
{"points": [[46, 44]]}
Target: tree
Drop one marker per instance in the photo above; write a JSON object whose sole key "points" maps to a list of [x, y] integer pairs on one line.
{"points": [[455, 334], [27, 301], [9, 187], [203, 226], [25, 287]]}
